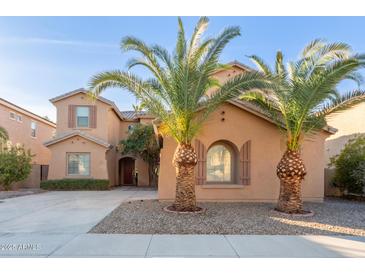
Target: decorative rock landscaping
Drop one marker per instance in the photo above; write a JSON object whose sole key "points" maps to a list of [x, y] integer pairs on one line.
{"points": [[333, 217]]}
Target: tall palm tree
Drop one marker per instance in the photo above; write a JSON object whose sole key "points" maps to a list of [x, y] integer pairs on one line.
{"points": [[177, 90], [304, 94]]}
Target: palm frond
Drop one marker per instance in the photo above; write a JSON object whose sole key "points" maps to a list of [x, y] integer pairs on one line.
{"points": [[261, 65], [307, 92], [279, 66], [181, 42], [200, 28], [164, 56], [131, 43], [312, 47], [234, 87], [342, 102]]}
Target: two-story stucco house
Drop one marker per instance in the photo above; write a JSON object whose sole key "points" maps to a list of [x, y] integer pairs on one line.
{"points": [[87, 138], [238, 149], [30, 130]]}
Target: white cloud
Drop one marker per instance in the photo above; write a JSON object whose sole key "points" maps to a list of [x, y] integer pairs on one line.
{"points": [[48, 41]]}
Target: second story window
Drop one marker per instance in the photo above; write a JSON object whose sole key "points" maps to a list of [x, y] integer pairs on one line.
{"points": [[19, 118], [82, 116], [33, 128], [15, 116]]}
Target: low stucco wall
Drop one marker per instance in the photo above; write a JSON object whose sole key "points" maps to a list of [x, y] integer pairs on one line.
{"points": [[267, 147], [98, 161]]}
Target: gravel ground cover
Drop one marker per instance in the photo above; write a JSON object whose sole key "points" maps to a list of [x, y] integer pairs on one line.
{"points": [[333, 217]]}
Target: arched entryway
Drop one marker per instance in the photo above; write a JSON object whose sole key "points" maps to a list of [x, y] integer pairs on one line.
{"points": [[127, 172]]}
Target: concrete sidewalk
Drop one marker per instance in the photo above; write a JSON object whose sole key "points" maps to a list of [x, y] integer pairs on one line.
{"points": [[201, 246], [55, 224]]}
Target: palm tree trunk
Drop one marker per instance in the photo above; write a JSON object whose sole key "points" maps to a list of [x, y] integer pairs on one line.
{"points": [[184, 161], [291, 172]]}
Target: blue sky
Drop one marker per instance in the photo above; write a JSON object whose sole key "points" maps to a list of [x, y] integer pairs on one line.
{"points": [[42, 57]]}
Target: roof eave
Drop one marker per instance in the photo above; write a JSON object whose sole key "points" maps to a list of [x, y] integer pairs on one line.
{"points": [[100, 98], [27, 112], [73, 134]]}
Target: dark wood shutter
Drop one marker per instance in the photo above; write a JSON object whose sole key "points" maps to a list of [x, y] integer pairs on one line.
{"points": [[71, 116], [245, 163], [92, 112], [201, 167]]}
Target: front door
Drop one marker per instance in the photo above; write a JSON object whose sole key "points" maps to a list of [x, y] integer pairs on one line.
{"points": [[128, 171]]}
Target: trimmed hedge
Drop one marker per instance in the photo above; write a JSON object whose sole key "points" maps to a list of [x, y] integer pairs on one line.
{"points": [[75, 184]]}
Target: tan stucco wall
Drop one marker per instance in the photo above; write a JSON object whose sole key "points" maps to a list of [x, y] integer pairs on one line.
{"points": [[101, 131], [98, 162], [348, 123], [109, 128], [142, 169], [20, 132], [113, 125], [267, 147]]}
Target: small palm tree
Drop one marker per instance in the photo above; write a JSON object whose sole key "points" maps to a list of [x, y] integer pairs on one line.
{"points": [[304, 94], [177, 90]]}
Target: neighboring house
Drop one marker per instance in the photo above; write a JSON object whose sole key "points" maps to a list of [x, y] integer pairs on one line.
{"points": [[238, 150], [350, 122], [30, 130], [87, 138]]}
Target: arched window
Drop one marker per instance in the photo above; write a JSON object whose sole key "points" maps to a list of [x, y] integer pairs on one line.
{"points": [[219, 163]]}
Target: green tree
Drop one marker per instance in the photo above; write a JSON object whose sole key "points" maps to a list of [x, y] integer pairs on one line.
{"points": [[304, 94], [177, 90], [350, 166], [3, 135], [15, 165], [142, 142]]}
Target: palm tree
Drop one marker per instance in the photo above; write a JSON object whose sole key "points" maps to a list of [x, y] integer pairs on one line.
{"points": [[177, 90], [304, 94]]}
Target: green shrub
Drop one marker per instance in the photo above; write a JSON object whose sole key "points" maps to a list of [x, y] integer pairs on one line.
{"points": [[75, 184], [15, 165], [350, 166]]}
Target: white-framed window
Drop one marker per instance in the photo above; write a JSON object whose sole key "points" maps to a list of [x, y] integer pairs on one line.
{"points": [[219, 164], [19, 118], [15, 116], [33, 129], [82, 116], [12, 115], [78, 164]]}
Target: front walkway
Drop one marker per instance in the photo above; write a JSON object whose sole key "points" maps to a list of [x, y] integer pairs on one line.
{"points": [[55, 224], [202, 246]]}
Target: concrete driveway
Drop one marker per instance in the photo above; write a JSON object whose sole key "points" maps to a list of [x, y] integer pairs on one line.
{"points": [[55, 224], [63, 211]]}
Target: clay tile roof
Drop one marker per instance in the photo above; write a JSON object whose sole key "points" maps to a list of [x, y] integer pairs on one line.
{"points": [[132, 115]]}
